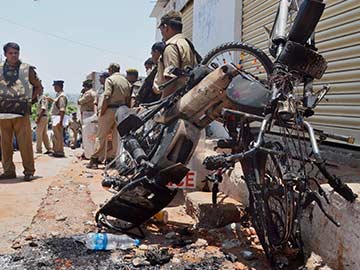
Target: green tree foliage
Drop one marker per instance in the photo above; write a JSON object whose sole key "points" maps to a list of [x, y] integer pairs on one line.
{"points": [[33, 112], [69, 109]]}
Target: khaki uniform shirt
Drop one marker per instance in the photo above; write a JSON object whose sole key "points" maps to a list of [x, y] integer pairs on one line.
{"points": [[87, 100], [117, 89], [43, 104], [99, 98], [75, 125], [177, 54], [59, 104], [135, 87]]}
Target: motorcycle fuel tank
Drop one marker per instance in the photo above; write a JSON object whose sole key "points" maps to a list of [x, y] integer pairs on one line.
{"points": [[249, 95]]}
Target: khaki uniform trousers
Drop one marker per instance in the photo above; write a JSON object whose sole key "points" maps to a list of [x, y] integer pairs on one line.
{"points": [[22, 129], [58, 140], [74, 138], [41, 135], [106, 126]]}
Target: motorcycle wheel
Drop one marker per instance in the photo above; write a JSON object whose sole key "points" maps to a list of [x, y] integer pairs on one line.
{"points": [[244, 56]]}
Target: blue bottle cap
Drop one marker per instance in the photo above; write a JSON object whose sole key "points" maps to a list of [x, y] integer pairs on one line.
{"points": [[137, 242]]}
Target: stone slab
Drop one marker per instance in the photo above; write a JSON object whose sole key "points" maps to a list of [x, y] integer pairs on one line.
{"points": [[207, 215]]}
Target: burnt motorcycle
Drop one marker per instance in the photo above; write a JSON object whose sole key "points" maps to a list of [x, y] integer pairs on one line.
{"points": [[159, 141]]}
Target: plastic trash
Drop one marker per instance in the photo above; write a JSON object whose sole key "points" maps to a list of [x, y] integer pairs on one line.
{"points": [[107, 241], [162, 216]]}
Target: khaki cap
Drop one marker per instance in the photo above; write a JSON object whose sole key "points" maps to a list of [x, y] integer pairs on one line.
{"points": [[171, 18], [114, 66]]}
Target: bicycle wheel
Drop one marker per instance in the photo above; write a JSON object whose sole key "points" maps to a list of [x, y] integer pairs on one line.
{"points": [[275, 220], [244, 56]]}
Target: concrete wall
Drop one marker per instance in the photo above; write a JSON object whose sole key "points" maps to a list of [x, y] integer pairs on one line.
{"points": [[215, 22], [95, 77], [339, 247], [171, 5]]}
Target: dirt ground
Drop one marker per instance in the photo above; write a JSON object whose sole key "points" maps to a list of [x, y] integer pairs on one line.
{"points": [[39, 219]]}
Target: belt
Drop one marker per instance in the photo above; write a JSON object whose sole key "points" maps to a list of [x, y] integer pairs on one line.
{"points": [[116, 105]]}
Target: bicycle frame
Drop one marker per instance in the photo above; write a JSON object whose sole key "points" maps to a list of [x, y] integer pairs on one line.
{"points": [[279, 32], [265, 121]]}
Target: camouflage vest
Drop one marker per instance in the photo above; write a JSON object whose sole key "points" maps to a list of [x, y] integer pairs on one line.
{"points": [[13, 98], [22, 88]]}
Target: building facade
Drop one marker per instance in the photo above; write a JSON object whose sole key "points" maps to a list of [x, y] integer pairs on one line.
{"points": [[95, 77], [209, 23]]}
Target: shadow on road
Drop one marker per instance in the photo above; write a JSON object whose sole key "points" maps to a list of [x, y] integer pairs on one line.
{"points": [[19, 179]]}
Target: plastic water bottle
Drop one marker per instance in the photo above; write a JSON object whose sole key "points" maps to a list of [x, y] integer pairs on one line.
{"points": [[107, 241]]}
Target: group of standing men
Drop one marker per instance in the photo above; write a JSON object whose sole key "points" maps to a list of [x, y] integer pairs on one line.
{"points": [[174, 52], [115, 92], [57, 113], [19, 85]]}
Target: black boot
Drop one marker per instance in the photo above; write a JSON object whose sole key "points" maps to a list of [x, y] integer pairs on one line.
{"points": [[93, 164]]}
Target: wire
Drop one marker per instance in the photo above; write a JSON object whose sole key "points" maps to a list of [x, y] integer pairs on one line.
{"points": [[68, 40]]}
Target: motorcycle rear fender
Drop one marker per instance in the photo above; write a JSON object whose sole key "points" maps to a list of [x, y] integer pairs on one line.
{"points": [[128, 124], [174, 174]]}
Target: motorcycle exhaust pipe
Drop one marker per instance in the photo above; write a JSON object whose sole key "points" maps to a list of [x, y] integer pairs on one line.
{"points": [[307, 18]]}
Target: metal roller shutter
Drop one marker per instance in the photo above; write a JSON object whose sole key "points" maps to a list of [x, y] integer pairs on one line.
{"points": [[187, 17], [338, 39]]}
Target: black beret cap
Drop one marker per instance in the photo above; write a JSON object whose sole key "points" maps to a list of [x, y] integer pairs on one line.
{"points": [[88, 83], [105, 74], [59, 82]]}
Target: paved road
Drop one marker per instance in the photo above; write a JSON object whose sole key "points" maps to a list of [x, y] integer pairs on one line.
{"points": [[20, 201]]}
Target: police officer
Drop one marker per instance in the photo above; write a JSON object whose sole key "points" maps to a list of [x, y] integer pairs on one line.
{"points": [[132, 75], [157, 50], [87, 99], [100, 94], [148, 64], [146, 93], [19, 87], [178, 53], [75, 128], [58, 113], [42, 121], [117, 93]]}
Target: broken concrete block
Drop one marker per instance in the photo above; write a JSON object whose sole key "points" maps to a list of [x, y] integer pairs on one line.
{"points": [[199, 206], [234, 185], [233, 243], [339, 247]]}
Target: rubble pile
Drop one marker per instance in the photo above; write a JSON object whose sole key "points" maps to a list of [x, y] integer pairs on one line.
{"points": [[182, 249], [66, 253]]}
